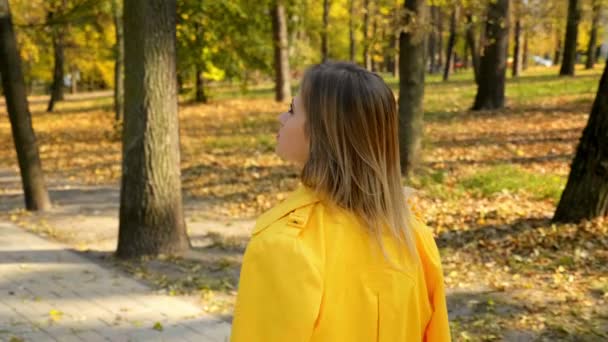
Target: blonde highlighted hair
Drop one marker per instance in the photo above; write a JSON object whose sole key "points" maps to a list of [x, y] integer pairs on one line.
{"points": [[352, 123]]}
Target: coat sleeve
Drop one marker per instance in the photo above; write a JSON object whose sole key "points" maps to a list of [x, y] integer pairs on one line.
{"points": [[279, 292], [438, 328]]}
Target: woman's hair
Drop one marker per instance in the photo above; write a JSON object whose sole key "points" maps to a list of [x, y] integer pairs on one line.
{"points": [[352, 123]]}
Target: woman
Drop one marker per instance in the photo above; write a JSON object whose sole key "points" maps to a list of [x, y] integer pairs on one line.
{"points": [[342, 258]]}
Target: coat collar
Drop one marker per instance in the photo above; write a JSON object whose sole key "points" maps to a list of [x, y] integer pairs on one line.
{"points": [[301, 197]]}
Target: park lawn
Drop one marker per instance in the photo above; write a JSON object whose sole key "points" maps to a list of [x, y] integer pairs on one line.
{"points": [[488, 187]]}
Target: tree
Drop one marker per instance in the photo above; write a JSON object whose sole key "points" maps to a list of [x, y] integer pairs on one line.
{"points": [[473, 50], [569, 58], [586, 192], [57, 32], [596, 12], [412, 62], [493, 64], [351, 31], [449, 63], [151, 211], [13, 85], [119, 51], [367, 56], [325, 32], [518, 50], [281, 54]]}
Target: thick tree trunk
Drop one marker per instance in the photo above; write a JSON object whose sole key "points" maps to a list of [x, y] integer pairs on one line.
{"points": [[351, 31], [281, 53], [367, 57], [57, 93], [13, 86], [412, 64], [518, 50], [569, 60], [493, 64], [325, 32], [119, 61], [199, 85], [470, 36], [449, 59], [586, 192], [593, 35], [151, 211]]}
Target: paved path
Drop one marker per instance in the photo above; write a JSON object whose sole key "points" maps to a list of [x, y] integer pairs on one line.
{"points": [[49, 293]]}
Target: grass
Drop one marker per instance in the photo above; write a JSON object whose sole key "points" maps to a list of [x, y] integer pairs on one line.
{"points": [[513, 178]]}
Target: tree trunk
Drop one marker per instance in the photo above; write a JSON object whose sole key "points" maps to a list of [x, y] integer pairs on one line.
{"points": [[74, 80], [586, 192], [57, 85], [367, 58], [411, 84], [281, 53], [593, 35], [432, 40], [518, 50], [449, 59], [493, 65], [151, 211], [558, 51], [470, 36], [13, 86], [569, 60], [119, 61], [396, 56], [525, 56], [199, 84], [439, 48], [325, 32], [351, 31]]}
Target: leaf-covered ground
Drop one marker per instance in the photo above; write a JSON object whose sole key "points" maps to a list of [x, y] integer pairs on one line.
{"points": [[488, 188]]}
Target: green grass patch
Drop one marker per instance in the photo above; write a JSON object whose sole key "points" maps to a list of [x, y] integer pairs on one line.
{"points": [[512, 178]]}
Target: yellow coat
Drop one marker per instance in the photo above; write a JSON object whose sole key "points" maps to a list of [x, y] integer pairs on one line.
{"points": [[312, 273]]}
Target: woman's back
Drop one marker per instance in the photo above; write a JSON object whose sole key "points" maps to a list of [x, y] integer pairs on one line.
{"points": [[314, 274]]}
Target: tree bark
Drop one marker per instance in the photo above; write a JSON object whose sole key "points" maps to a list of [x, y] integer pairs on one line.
{"points": [[493, 64], [281, 53], [119, 61], [432, 40], [586, 192], [396, 56], [351, 31], [151, 211], [199, 84], [325, 32], [440, 44], [525, 55], [57, 35], [558, 51], [412, 62], [13, 86], [569, 59], [449, 59], [518, 50], [470, 36], [367, 58], [593, 35]]}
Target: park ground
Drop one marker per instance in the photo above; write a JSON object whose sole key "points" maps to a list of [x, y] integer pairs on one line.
{"points": [[488, 187]]}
